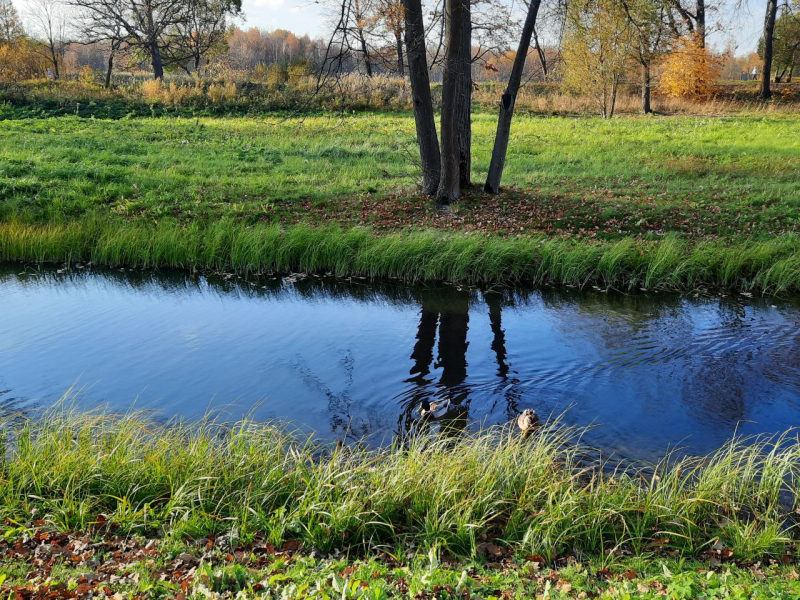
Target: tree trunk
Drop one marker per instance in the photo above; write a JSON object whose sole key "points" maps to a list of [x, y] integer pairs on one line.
{"points": [[401, 69], [109, 69], [54, 58], [614, 87], [365, 52], [646, 108], [604, 102], [424, 118], [540, 52], [769, 31], [508, 101], [465, 100], [450, 180], [158, 66], [701, 22]]}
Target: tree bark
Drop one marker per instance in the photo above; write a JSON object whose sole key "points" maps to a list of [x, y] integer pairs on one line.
{"points": [[109, 69], [155, 57], [646, 108], [417, 56], [540, 52], [401, 69], [614, 87], [508, 101], [769, 31], [701, 22], [450, 181], [365, 52], [465, 100], [54, 58]]}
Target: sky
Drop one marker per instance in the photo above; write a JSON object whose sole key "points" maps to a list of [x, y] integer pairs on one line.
{"points": [[742, 26], [298, 16]]}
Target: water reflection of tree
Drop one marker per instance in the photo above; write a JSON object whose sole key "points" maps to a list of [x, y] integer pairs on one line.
{"points": [[510, 390], [344, 423], [448, 314]]}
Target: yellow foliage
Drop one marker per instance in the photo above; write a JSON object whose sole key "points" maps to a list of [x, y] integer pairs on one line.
{"points": [[153, 90], [597, 50], [86, 75], [223, 93], [276, 76], [19, 60], [690, 70], [299, 70]]}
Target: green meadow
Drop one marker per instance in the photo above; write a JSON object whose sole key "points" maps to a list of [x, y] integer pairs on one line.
{"points": [[698, 176], [674, 202]]}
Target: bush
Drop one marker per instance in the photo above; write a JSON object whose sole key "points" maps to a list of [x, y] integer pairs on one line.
{"points": [[153, 90], [276, 76], [299, 70], [19, 60], [86, 75], [224, 93], [690, 70]]}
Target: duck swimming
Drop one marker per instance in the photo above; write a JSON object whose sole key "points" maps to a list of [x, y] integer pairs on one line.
{"points": [[434, 410], [528, 422]]}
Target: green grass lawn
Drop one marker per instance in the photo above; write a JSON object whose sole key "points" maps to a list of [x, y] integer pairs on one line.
{"points": [[673, 202], [734, 176]]}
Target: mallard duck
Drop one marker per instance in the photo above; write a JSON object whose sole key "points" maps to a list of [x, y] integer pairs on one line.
{"points": [[434, 409], [528, 422]]}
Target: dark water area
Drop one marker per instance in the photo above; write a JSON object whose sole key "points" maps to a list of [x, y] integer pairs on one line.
{"points": [[353, 358]]}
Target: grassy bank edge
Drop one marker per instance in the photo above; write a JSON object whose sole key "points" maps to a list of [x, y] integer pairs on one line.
{"points": [[489, 493], [768, 266]]}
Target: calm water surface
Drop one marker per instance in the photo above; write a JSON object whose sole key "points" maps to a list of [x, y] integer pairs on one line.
{"points": [[353, 358]]}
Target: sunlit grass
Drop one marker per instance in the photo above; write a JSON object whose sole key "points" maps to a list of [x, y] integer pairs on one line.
{"points": [[728, 176], [771, 265], [648, 199], [541, 496]]}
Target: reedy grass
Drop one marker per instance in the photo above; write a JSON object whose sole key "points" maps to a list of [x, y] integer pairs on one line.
{"points": [[671, 263], [539, 496]]}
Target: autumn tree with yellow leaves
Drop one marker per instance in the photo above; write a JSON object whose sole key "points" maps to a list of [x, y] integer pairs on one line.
{"points": [[393, 14], [597, 50], [690, 70], [20, 57]]}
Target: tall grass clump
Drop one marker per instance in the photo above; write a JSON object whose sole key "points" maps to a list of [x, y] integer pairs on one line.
{"points": [[671, 263], [541, 495]]}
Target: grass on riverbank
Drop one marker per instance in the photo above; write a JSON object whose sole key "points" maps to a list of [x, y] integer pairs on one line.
{"points": [[646, 199], [487, 494], [770, 266]]}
